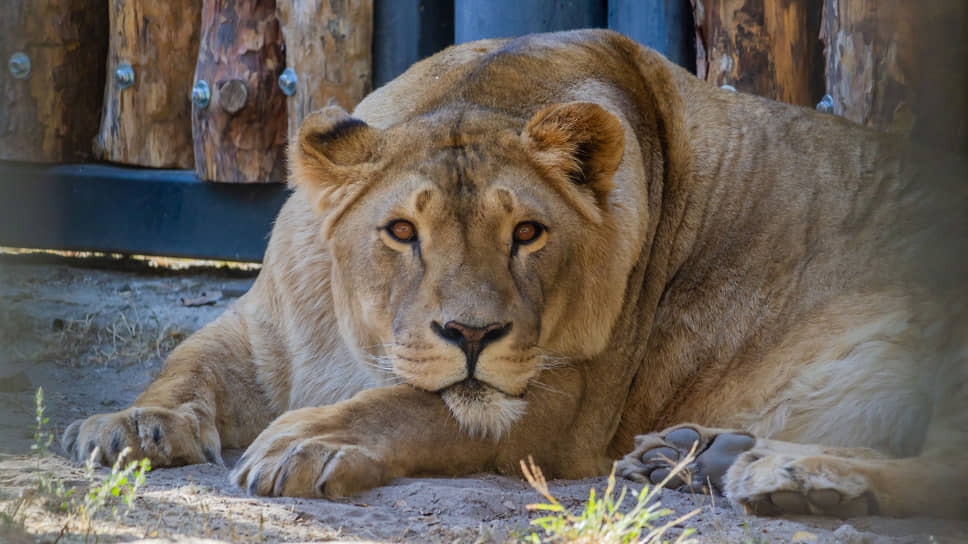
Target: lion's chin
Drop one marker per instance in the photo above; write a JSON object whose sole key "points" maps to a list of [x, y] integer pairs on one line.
{"points": [[481, 410]]}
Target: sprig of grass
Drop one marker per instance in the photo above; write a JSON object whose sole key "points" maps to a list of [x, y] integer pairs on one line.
{"points": [[120, 487], [601, 521], [42, 437]]}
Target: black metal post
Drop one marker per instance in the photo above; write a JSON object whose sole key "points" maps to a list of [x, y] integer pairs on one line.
{"points": [[405, 31], [477, 19], [664, 25]]}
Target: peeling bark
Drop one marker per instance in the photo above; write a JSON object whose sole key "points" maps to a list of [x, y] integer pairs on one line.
{"points": [[900, 66], [240, 136], [768, 48]]}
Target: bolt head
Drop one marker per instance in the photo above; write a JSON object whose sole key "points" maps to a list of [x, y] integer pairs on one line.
{"points": [[201, 94], [826, 104], [19, 65], [124, 75], [287, 81]]}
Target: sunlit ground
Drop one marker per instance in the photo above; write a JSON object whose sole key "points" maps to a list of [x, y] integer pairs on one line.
{"points": [[168, 263]]}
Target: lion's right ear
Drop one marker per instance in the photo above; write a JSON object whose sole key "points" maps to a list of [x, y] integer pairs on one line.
{"points": [[333, 156], [578, 145]]}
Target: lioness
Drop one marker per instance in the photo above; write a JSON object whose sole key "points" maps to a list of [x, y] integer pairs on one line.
{"points": [[555, 245]]}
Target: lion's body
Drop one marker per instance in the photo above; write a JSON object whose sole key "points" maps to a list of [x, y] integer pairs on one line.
{"points": [[746, 265]]}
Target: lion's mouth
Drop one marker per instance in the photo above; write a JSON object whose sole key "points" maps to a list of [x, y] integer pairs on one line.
{"points": [[469, 384], [474, 389]]}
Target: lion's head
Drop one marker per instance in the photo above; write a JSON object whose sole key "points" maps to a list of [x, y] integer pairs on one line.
{"points": [[470, 248]]}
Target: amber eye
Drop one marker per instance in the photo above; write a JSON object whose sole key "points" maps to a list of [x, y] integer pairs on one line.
{"points": [[527, 232], [402, 230]]}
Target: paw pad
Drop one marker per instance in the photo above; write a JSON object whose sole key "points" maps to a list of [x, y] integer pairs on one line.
{"points": [[653, 459]]}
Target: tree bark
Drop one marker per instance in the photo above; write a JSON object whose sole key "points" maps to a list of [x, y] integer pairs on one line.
{"points": [[328, 45], [768, 48], [50, 113], [147, 123], [240, 135], [900, 66]]}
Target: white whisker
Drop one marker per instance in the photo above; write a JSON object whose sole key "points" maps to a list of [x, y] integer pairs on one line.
{"points": [[547, 361], [541, 385]]}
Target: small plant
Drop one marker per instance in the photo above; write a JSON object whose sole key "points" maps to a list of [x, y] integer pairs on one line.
{"points": [[49, 490], [42, 437], [121, 485], [601, 522]]}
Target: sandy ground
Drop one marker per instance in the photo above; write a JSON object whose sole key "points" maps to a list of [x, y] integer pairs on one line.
{"points": [[94, 338]]}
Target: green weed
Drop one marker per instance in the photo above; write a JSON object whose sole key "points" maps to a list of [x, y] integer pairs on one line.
{"points": [[118, 489], [601, 521]]}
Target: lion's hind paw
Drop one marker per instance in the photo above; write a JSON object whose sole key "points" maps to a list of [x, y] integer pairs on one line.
{"points": [[655, 454], [773, 484]]}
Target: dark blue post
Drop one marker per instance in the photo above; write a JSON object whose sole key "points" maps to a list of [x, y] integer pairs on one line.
{"points": [[405, 31], [664, 25], [477, 19]]}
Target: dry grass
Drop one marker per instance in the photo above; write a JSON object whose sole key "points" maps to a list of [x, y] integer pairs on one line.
{"points": [[123, 340]]}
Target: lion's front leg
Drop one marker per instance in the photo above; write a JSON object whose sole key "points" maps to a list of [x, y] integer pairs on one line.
{"points": [[205, 398], [348, 447]]}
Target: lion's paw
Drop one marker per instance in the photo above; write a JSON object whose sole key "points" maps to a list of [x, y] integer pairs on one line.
{"points": [[769, 484], [655, 454], [166, 437], [283, 463]]}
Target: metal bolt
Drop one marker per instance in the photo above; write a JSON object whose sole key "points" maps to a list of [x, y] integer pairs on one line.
{"points": [[729, 88], [124, 76], [201, 94], [19, 65], [287, 81], [826, 104]]}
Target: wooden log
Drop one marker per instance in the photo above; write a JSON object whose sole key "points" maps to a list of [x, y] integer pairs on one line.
{"points": [[328, 46], [900, 66], [240, 135], [765, 48], [52, 55], [148, 122]]}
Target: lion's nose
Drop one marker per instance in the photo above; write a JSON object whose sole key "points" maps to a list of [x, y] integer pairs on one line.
{"points": [[470, 339]]}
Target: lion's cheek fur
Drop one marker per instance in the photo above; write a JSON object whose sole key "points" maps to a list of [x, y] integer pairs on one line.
{"points": [[359, 319]]}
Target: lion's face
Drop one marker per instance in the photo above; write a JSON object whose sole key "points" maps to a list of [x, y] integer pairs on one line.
{"points": [[468, 250]]}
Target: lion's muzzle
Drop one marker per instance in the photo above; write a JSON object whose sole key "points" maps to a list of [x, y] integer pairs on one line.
{"points": [[470, 339]]}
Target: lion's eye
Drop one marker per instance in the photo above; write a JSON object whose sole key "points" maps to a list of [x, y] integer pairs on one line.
{"points": [[402, 230], [527, 232]]}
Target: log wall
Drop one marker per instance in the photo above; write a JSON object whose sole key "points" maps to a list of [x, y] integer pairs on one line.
{"points": [[766, 47], [328, 49], [900, 66], [49, 112], [147, 123]]}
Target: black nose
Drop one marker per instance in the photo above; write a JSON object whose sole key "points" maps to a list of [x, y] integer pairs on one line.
{"points": [[471, 340]]}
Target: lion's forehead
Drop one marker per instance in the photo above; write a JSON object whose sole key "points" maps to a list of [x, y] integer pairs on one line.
{"points": [[465, 184]]}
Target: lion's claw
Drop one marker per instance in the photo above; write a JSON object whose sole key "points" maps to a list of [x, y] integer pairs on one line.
{"points": [[284, 461], [166, 437]]}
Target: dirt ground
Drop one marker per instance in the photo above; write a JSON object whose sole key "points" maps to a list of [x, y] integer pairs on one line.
{"points": [[94, 338]]}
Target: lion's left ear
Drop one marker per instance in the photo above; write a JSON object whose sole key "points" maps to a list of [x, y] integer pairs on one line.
{"points": [[332, 156], [577, 142]]}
